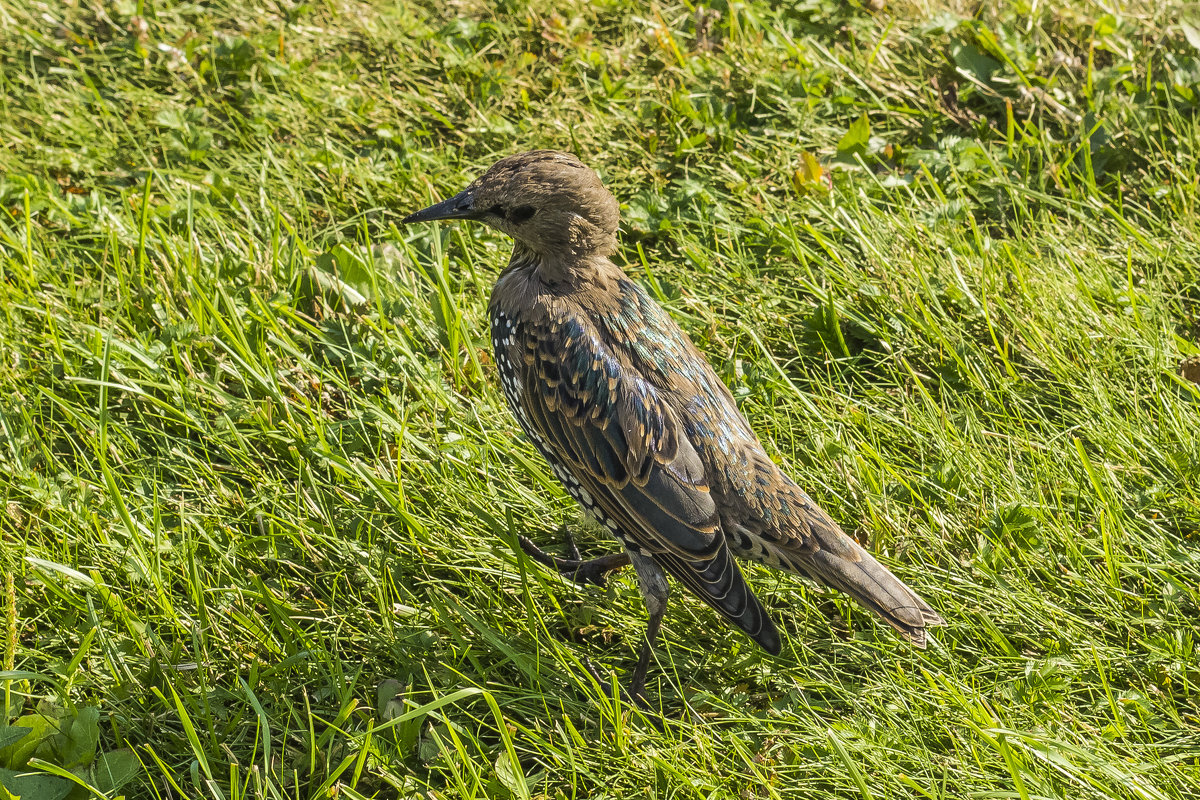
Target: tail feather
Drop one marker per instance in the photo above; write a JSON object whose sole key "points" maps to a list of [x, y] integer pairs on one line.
{"points": [[839, 562], [872, 585]]}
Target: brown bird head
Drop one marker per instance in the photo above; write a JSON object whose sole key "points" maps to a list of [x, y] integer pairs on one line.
{"points": [[548, 201]]}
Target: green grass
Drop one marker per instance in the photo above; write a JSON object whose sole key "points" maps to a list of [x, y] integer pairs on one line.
{"points": [[261, 491]]}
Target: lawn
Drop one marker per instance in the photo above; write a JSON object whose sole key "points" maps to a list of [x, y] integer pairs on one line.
{"points": [[261, 491]]}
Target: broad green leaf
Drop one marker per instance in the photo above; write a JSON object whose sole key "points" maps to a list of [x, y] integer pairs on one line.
{"points": [[114, 769], [856, 138], [80, 738], [10, 735], [17, 754], [389, 703], [391, 706], [345, 272], [510, 775], [971, 59], [33, 785], [810, 176]]}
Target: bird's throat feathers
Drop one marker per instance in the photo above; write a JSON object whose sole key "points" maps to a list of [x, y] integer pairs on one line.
{"points": [[532, 278]]}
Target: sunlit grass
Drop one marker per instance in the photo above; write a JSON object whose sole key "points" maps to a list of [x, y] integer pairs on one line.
{"points": [[261, 491]]}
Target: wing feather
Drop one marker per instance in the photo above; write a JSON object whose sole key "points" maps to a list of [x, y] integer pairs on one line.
{"points": [[622, 443]]}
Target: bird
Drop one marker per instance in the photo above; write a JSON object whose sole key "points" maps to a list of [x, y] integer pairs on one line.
{"points": [[636, 424]]}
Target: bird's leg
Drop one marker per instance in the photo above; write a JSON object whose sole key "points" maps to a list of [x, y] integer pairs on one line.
{"points": [[652, 582], [592, 571], [637, 684]]}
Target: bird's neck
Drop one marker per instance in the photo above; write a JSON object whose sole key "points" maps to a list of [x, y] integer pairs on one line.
{"points": [[564, 269]]}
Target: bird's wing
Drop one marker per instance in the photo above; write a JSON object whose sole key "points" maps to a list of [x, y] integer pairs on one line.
{"points": [[614, 435]]}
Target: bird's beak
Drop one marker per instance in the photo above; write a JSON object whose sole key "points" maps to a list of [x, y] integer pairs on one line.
{"points": [[461, 206]]}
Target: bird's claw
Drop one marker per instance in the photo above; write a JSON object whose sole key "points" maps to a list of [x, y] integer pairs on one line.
{"points": [[573, 553], [592, 572], [634, 698], [589, 574], [536, 553]]}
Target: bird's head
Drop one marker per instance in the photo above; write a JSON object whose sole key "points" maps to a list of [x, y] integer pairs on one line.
{"points": [[548, 201]]}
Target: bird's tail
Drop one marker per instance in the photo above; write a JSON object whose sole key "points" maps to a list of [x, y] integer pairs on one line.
{"points": [[836, 560]]}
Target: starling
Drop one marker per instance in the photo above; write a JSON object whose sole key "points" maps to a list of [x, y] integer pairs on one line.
{"points": [[635, 423]]}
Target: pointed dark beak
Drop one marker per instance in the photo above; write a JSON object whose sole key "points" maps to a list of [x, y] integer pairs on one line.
{"points": [[461, 206]]}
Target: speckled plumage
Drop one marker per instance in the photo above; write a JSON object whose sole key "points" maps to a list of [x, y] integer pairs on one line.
{"points": [[633, 420]]}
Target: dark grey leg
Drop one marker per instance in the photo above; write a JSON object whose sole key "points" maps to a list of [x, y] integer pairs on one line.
{"points": [[652, 582], [637, 684], [592, 571], [655, 592]]}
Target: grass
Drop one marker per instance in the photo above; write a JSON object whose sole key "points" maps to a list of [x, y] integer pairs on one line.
{"points": [[261, 491]]}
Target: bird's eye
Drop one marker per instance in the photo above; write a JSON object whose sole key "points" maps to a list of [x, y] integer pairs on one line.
{"points": [[521, 213], [497, 211]]}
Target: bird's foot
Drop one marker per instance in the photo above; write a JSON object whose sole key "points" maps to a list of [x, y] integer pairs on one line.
{"points": [[635, 695], [593, 571]]}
